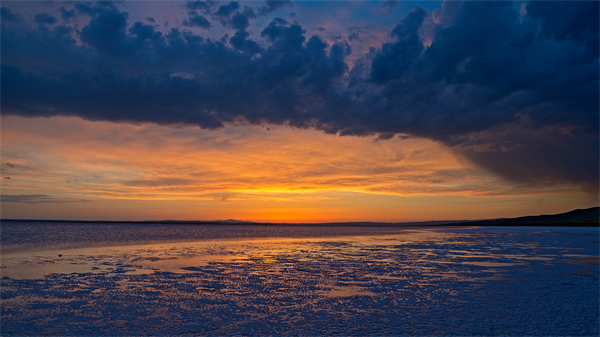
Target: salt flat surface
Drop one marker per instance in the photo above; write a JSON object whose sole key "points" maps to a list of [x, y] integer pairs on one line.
{"points": [[426, 281], [35, 236]]}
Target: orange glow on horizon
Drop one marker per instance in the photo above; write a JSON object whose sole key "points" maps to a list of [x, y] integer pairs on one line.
{"points": [[276, 174]]}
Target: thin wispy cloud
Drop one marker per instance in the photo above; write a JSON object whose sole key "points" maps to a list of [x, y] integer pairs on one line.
{"points": [[37, 198]]}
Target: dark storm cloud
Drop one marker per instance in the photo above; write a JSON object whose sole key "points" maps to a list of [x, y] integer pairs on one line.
{"points": [[196, 20], [227, 10], [565, 22], [45, 19], [7, 15], [67, 15], [235, 16], [204, 6], [240, 21], [395, 58], [240, 42], [514, 93], [273, 5]]}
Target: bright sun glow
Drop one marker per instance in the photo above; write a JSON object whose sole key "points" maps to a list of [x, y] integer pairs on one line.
{"points": [[248, 172]]}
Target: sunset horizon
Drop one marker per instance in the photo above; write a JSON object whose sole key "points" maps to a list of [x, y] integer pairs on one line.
{"points": [[299, 168], [284, 111]]}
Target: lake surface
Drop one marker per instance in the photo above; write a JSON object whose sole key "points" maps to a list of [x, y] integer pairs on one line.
{"points": [[124, 279]]}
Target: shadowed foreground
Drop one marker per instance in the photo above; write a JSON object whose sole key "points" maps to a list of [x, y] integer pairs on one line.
{"points": [[516, 281]]}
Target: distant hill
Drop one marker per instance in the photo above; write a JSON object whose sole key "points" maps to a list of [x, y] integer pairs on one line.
{"points": [[233, 221], [589, 217]]}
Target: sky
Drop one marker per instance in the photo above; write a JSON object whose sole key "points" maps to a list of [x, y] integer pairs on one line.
{"points": [[298, 111]]}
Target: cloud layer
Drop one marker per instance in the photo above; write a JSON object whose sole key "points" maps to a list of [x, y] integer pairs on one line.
{"points": [[514, 90], [37, 198]]}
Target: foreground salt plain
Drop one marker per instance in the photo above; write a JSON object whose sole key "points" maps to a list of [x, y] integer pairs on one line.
{"points": [[419, 281]]}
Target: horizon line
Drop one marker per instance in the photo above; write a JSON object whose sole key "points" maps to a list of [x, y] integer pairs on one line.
{"points": [[530, 220]]}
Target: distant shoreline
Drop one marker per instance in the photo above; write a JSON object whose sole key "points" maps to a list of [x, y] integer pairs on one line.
{"points": [[576, 218], [247, 223]]}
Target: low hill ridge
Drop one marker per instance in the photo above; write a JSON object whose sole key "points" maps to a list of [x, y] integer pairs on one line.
{"points": [[579, 217]]}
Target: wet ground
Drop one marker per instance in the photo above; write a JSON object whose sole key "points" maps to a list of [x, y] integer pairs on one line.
{"points": [[426, 281]]}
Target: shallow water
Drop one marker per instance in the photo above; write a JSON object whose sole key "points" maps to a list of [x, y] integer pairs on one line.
{"points": [[423, 281], [35, 236]]}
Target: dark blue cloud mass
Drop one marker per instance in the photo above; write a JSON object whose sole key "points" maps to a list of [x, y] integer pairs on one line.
{"points": [[197, 20], [514, 92], [45, 19]]}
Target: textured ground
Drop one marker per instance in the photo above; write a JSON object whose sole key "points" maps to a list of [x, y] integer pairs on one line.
{"points": [[486, 281]]}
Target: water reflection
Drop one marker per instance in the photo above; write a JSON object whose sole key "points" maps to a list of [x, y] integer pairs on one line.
{"points": [[347, 291], [414, 249], [337, 281], [492, 264]]}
